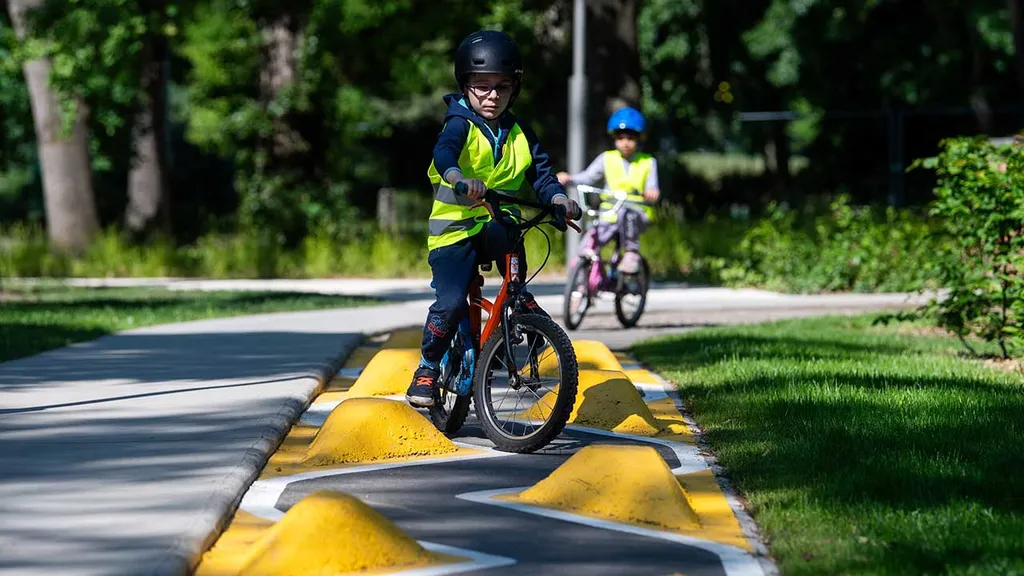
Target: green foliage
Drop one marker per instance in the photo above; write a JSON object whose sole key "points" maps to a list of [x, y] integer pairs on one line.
{"points": [[25, 252], [20, 197], [979, 200], [279, 175], [839, 249]]}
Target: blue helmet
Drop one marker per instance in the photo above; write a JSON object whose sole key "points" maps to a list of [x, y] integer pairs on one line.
{"points": [[626, 119]]}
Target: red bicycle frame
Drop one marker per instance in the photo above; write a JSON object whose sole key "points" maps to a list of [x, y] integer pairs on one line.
{"points": [[479, 304]]}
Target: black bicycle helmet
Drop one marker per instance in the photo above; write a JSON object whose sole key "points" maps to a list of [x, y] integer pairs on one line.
{"points": [[489, 52]]}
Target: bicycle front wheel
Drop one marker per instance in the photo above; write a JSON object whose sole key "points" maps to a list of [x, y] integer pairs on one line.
{"points": [[577, 294], [631, 296], [524, 402]]}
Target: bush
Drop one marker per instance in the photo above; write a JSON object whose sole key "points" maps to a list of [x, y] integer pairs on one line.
{"points": [[979, 199], [841, 248]]}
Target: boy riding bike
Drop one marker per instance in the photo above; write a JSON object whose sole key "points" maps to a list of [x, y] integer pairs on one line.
{"points": [[626, 170], [483, 145]]}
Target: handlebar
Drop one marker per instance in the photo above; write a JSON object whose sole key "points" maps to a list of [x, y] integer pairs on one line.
{"points": [[493, 200], [620, 198], [617, 194]]}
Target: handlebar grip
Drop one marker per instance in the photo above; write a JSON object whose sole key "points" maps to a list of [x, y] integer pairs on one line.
{"points": [[461, 188]]}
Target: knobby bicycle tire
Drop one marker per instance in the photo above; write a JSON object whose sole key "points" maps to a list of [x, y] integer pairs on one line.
{"points": [[578, 270], [451, 422], [630, 321], [567, 385]]}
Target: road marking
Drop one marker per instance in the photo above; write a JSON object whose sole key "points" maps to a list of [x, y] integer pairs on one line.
{"points": [[651, 391], [318, 412], [478, 561], [689, 457], [350, 372], [735, 561], [261, 498]]}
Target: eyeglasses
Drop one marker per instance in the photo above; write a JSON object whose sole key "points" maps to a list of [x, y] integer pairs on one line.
{"points": [[484, 90]]}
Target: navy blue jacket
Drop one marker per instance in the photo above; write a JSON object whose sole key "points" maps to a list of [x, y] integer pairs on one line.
{"points": [[453, 138]]}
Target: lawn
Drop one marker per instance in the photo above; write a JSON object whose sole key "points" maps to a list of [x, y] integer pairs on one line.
{"points": [[861, 449], [34, 319]]}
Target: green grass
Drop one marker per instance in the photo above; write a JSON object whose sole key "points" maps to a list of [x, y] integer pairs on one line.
{"points": [[861, 449], [36, 319]]}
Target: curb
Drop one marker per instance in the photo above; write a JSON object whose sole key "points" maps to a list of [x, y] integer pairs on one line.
{"points": [[222, 504]]}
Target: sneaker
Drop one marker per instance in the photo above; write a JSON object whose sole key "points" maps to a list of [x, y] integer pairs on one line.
{"points": [[630, 263], [421, 391]]}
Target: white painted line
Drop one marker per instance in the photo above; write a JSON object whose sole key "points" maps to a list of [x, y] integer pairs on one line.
{"points": [[651, 391], [318, 412], [735, 561], [689, 457], [478, 561], [350, 372], [261, 498]]}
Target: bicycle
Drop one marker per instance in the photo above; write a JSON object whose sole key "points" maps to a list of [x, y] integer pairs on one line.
{"points": [[591, 276], [509, 323]]}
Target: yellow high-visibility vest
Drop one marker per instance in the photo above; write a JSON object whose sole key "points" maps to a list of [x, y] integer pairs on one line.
{"points": [[633, 182], [451, 218]]}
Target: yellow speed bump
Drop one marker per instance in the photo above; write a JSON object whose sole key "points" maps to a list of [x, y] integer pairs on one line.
{"points": [[605, 399], [389, 372], [717, 520], [406, 338], [590, 355], [371, 429], [629, 484], [334, 533]]}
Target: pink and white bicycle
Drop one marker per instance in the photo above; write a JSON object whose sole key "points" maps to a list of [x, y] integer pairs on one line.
{"points": [[592, 277]]}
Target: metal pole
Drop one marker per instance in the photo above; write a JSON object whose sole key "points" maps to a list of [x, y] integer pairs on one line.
{"points": [[577, 110]]}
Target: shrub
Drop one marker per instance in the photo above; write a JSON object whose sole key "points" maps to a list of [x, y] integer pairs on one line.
{"points": [[841, 248], [979, 199]]}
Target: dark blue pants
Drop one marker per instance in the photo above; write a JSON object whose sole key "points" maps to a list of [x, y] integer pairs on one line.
{"points": [[453, 267]]}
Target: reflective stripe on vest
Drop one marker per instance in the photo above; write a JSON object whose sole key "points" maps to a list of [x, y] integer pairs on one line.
{"points": [[451, 218], [632, 182]]}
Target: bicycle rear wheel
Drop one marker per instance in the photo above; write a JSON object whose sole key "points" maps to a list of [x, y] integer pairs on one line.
{"points": [[526, 411], [450, 410], [577, 294], [631, 295]]}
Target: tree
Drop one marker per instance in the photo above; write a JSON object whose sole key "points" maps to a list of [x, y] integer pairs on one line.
{"points": [[613, 64], [149, 193], [114, 55], [71, 216]]}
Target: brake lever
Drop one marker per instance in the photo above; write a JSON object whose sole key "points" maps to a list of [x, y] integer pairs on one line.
{"points": [[490, 211]]}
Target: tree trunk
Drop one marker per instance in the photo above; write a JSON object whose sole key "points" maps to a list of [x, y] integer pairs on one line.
{"points": [[613, 64], [280, 42], [148, 186], [71, 216]]}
